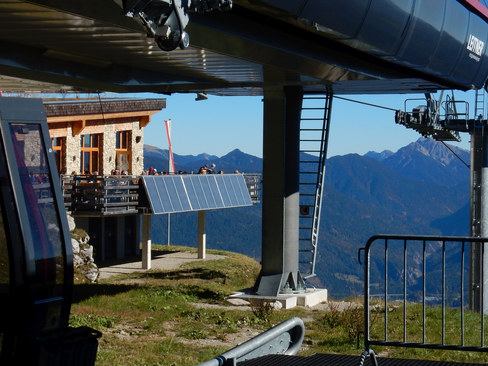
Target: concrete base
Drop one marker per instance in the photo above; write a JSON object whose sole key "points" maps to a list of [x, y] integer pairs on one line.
{"points": [[312, 297], [309, 298]]}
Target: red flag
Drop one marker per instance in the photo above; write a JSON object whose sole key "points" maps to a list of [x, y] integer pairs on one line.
{"points": [[171, 160]]}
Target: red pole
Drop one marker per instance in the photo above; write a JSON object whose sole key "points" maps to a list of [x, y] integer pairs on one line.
{"points": [[171, 160]]}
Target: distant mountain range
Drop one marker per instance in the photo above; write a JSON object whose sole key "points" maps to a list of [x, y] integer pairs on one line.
{"points": [[423, 188], [235, 160]]}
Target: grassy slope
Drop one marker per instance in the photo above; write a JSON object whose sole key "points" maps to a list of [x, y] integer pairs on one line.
{"points": [[153, 318]]}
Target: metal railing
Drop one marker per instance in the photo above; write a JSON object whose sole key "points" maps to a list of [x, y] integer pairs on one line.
{"points": [[114, 194], [432, 275], [253, 182], [119, 194]]}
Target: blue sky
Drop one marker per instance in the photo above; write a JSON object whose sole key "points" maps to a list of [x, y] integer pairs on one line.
{"points": [[219, 125]]}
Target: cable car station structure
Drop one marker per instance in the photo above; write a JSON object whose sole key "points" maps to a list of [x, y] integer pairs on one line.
{"points": [[290, 52]]}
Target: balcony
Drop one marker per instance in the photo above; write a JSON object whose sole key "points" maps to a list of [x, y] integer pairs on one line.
{"points": [[105, 195]]}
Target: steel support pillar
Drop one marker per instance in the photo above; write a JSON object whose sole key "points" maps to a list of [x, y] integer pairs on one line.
{"points": [[280, 216], [146, 241], [478, 295], [202, 236]]}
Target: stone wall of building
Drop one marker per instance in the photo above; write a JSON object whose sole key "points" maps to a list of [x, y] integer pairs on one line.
{"points": [[72, 151], [108, 151], [137, 146], [107, 147]]}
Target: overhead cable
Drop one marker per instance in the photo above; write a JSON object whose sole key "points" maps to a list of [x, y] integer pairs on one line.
{"points": [[392, 109], [370, 104], [456, 155]]}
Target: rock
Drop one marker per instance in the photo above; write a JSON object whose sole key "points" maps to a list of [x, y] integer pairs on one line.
{"points": [[91, 273], [85, 239], [75, 245], [83, 261], [77, 261], [71, 223], [238, 302], [276, 305], [86, 253]]}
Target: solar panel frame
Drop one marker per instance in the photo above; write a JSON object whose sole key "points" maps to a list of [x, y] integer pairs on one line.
{"points": [[245, 197], [152, 191]]}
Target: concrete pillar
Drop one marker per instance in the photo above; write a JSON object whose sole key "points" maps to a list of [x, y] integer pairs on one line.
{"points": [[281, 151], [202, 236], [146, 241]]}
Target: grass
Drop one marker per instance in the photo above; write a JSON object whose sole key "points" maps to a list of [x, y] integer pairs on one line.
{"points": [[159, 318], [433, 332]]}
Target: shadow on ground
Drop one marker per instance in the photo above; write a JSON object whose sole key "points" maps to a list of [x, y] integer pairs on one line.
{"points": [[132, 259], [85, 291]]}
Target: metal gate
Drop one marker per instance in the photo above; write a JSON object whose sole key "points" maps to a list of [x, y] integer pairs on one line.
{"points": [[429, 274]]}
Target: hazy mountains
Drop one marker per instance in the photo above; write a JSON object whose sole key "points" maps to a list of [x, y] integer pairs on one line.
{"points": [[236, 159], [421, 189]]}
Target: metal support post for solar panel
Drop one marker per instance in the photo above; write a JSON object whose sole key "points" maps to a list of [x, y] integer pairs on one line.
{"points": [[169, 229], [202, 236], [171, 168], [146, 241], [281, 130], [479, 221]]}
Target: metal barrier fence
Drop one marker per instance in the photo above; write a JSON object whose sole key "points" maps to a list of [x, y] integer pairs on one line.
{"points": [[432, 275]]}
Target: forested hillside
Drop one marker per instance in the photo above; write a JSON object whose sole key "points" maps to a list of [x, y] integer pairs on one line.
{"points": [[421, 189]]}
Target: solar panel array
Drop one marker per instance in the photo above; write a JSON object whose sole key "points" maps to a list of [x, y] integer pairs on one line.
{"points": [[195, 192]]}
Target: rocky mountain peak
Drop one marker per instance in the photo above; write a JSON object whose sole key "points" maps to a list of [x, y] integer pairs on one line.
{"points": [[436, 150]]}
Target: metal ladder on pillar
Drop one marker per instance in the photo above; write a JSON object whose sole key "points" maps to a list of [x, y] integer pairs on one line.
{"points": [[314, 135], [479, 104]]}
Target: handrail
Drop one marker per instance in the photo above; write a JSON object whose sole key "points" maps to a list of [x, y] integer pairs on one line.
{"points": [[100, 193], [286, 338], [417, 246]]}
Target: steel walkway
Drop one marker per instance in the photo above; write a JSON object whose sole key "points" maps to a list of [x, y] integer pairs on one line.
{"points": [[340, 360]]}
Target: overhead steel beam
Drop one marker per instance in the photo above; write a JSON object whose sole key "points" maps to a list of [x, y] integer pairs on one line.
{"points": [[43, 65], [265, 40], [108, 11]]}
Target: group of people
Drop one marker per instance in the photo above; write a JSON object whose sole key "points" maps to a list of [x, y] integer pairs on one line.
{"points": [[153, 171], [119, 172], [209, 170], [205, 169]]}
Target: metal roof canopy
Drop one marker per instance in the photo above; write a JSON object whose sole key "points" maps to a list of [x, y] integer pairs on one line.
{"points": [[195, 192], [92, 45]]}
